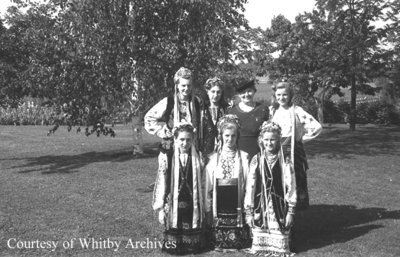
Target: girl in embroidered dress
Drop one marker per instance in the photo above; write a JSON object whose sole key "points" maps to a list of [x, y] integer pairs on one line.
{"points": [[297, 127], [214, 109], [226, 173], [178, 195], [270, 195], [182, 107]]}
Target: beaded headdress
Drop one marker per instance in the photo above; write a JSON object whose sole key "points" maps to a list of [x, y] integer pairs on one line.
{"points": [[270, 126], [215, 81], [228, 118], [184, 73]]}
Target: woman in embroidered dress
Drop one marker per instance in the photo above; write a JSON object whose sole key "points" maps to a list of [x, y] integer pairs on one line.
{"points": [[270, 195], [215, 108], [178, 195], [251, 115], [183, 106], [297, 127], [226, 174]]}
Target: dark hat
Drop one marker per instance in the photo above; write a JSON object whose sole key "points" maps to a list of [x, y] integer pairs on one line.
{"points": [[242, 85]]}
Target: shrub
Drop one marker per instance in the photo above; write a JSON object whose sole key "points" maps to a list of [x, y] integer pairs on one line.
{"points": [[332, 113], [383, 113], [367, 112], [27, 113]]}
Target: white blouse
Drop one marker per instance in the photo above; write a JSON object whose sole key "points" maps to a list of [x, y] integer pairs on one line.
{"points": [[307, 128], [152, 119]]}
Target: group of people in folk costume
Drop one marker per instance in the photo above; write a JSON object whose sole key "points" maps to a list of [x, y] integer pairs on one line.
{"points": [[229, 178]]}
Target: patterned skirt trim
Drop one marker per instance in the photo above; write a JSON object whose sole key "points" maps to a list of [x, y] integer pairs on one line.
{"points": [[270, 243], [182, 241], [228, 235]]}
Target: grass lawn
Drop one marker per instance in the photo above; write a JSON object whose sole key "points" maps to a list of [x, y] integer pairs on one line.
{"points": [[68, 186]]}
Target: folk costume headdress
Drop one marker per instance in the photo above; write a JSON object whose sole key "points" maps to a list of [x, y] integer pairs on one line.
{"points": [[230, 121], [268, 126], [191, 115], [215, 81], [196, 182]]}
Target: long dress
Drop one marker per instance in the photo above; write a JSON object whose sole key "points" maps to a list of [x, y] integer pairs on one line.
{"points": [[226, 174], [306, 128], [250, 126], [271, 193], [210, 118], [178, 192]]}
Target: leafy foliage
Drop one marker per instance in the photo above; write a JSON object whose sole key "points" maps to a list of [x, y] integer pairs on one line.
{"points": [[96, 58], [374, 112], [334, 46]]}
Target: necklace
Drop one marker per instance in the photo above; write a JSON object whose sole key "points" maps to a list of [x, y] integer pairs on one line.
{"points": [[271, 158], [228, 152]]}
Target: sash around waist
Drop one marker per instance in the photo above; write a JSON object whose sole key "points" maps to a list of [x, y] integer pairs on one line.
{"points": [[227, 182]]}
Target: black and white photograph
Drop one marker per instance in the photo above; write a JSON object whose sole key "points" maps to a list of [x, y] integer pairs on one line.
{"points": [[200, 128]]}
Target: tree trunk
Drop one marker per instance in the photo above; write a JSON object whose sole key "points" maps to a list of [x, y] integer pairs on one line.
{"points": [[353, 111], [137, 129], [320, 104], [321, 113]]}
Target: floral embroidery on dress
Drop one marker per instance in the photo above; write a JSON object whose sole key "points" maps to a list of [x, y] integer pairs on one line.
{"points": [[227, 167], [214, 114]]}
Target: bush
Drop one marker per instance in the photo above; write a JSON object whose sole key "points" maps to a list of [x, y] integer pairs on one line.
{"points": [[333, 113], [364, 113], [30, 113], [383, 113], [367, 112], [27, 114]]}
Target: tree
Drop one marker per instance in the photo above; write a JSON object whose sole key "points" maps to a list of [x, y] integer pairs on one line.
{"points": [[393, 43], [355, 43], [295, 52], [332, 47], [14, 52], [91, 55]]}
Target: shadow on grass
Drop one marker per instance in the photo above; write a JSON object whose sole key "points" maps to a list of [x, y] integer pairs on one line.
{"points": [[323, 225], [342, 143], [50, 164]]}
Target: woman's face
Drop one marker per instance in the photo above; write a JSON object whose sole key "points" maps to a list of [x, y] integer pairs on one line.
{"points": [[214, 94], [247, 95], [184, 141], [270, 141], [229, 137], [282, 96], [184, 88]]}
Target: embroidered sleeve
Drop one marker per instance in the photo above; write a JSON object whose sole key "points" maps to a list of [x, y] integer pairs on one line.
{"points": [[310, 126], [290, 184], [251, 184], [152, 120], [160, 186]]}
